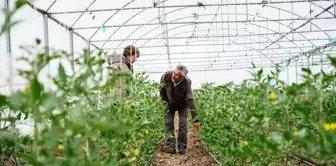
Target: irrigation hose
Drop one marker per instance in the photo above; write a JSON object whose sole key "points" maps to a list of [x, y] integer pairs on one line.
{"points": [[213, 156], [300, 159]]}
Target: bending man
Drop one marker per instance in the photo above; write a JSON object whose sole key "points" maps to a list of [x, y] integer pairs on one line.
{"points": [[178, 94]]}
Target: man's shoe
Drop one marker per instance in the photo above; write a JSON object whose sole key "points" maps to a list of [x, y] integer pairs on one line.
{"points": [[182, 152], [170, 150]]}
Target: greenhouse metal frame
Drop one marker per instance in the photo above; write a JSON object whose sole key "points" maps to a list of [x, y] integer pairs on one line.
{"points": [[267, 45]]}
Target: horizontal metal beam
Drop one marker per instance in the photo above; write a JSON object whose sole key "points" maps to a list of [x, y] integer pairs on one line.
{"points": [[210, 61], [229, 51], [246, 63], [218, 36], [220, 68], [235, 60], [199, 66], [203, 22], [227, 56], [221, 44], [190, 6], [300, 26], [59, 23], [253, 57], [317, 49]]}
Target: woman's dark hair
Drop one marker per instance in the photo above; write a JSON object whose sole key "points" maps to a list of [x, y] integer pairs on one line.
{"points": [[130, 51]]}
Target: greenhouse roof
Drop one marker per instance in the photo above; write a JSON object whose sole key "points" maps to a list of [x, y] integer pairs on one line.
{"points": [[205, 34]]}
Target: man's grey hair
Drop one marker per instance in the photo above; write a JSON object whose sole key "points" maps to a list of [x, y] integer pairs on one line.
{"points": [[183, 69]]}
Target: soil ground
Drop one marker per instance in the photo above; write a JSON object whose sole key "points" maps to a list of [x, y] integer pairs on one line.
{"points": [[196, 154]]}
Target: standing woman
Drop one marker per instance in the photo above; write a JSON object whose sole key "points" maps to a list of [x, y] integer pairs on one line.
{"points": [[123, 63]]}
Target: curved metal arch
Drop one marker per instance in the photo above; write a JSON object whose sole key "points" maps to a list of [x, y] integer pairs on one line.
{"points": [[245, 31], [193, 24], [245, 14], [148, 23], [268, 39], [142, 65], [81, 15], [191, 45], [321, 8], [251, 24], [123, 24], [242, 46], [299, 17], [226, 29], [110, 18]]}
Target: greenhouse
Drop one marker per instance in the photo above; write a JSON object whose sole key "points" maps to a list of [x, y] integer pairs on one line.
{"points": [[98, 82]]}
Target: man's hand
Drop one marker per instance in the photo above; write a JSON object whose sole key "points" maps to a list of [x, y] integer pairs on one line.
{"points": [[197, 125]]}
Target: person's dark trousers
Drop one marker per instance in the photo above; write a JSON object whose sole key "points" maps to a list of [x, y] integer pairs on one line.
{"points": [[182, 134]]}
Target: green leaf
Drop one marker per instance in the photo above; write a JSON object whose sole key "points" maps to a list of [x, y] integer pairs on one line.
{"points": [[5, 27], [61, 74], [36, 88], [38, 41], [303, 112], [15, 99], [287, 135], [260, 72], [3, 100], [20, 3], [306, 70], [333, 61]]}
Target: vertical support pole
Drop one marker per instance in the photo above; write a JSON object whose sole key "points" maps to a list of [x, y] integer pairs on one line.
{"points": [[335, 9], [222, 24], [321, 60], [46, 44], [310, 16], [302, 63], [279, 28], [246, 48], [72, 51], [252, 49], [89, 46], [9, 51], [159, 15], [296, 74], [217, 37], [228, 19], [268, 38], [165, 32], [292, 26], [308, 61], [288, 73], [259, 41], [247, 13], [236, 17]]}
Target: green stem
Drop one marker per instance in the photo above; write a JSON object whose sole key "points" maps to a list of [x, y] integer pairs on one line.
{"points": [[36, 139], [287, 129], [5, 117], [321, 102]]}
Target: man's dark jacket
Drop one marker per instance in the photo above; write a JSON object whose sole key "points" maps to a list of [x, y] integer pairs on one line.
{"points": [[180, 96]]}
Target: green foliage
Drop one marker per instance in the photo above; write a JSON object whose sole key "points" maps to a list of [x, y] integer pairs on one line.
{"points": [[82, 121], [9, 14], [266, 122]]}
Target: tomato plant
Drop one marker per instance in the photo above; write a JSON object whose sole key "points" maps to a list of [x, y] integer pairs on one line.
{"points": [[263, 121], [82, 121]]}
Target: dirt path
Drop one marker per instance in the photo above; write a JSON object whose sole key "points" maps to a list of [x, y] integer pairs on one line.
{"points": [[196, 154]]}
